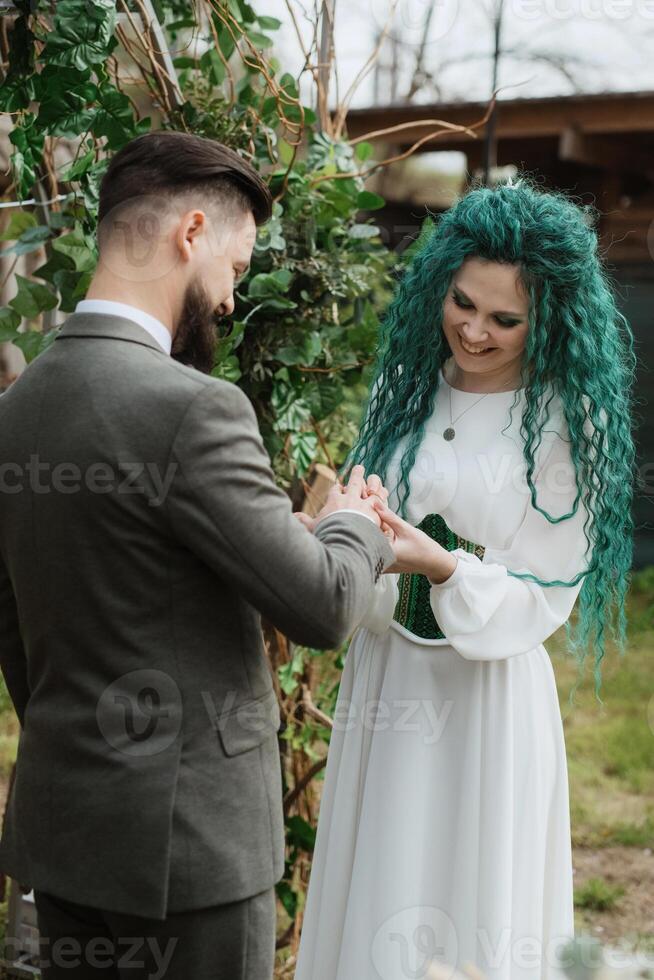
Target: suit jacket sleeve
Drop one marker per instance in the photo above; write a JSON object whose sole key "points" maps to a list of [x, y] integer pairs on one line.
{"points": [[225, 506], [12, 653]]}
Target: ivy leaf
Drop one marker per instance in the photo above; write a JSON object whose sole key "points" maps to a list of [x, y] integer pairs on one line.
{"points": [[300, 833], [65, 97], [297, 114], [212, 63], [229, 369], [19, 222], [303, 447], [363, 150], [72, 286], [289, 84], [293, 417], [33, 342], [368, 201], [90, 186], [32, 298], [55, 263], [260, 40], [29, 241], [178, 25], [77, 247], [287, 897], [29, 142], [115, 118], [287, 672], [79, 167], [227, 345], [17, 89], [268, 23], [82, 33], [9, 323], [303, 353], [323, 397], [269, 284], [225, 39], [279, 304]]}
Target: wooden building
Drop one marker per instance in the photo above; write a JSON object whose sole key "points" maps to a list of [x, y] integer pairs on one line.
{"points": [[600, 148]]}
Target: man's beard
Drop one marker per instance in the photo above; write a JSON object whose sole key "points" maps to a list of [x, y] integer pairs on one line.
{"points": [[195, 339]]}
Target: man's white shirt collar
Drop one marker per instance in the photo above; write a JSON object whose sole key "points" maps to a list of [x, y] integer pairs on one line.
{"points": [[153, 326]]}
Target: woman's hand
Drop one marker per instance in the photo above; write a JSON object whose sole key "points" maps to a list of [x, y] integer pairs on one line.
{"points": [[374, 487], [414, 550]]}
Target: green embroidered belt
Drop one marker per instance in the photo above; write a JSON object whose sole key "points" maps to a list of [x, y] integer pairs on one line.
{"points": [[413, 609]]}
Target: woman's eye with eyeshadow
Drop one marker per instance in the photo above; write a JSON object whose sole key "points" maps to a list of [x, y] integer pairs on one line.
{"points": [[460, 302]]}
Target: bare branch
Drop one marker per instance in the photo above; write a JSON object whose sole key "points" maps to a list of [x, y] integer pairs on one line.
{"points": [[342, 109]]}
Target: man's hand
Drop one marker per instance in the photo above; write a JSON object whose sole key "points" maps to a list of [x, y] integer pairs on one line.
{"points": [[414, 550], [351, 497], [359, 494]]}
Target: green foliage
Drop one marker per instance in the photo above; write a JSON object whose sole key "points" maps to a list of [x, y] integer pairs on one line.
{"points": [[634, 835], [305, 324], [609, 749], [597, 894]]}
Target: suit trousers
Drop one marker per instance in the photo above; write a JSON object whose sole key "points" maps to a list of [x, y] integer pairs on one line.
{"points": [[234, 941]]}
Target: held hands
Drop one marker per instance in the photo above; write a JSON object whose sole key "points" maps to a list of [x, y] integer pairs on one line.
{"points": [[414, 550], [357, 494]]}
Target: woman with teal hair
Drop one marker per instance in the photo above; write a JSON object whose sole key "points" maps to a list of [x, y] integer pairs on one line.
{"points": [[500, 422]]}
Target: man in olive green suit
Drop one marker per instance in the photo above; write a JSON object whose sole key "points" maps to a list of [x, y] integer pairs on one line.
{"points": [[141, 537]]}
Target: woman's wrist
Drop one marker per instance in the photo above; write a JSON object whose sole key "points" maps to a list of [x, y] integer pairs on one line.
{"points": [[440, 565]]}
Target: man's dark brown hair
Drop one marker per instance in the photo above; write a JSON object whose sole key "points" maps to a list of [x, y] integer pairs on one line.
{"points": [[167, 164]]}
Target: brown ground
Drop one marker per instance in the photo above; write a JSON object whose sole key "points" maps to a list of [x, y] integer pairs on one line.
{"points": [[633, 914]]}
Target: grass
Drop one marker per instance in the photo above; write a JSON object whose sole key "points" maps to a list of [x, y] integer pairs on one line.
{"points": [[610, 747], [597, 894]]}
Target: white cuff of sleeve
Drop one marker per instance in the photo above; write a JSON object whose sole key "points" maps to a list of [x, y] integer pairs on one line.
{"points": [[452, 580], [347, 510]]}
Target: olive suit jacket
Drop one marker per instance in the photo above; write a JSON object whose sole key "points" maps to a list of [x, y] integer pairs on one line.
{"points": [[141, 536]]}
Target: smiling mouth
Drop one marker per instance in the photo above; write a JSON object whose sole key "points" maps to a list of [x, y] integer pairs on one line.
{"points": [[469, 349]]}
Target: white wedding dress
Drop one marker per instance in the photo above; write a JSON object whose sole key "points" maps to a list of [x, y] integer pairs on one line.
{"points": [[444, 830]]}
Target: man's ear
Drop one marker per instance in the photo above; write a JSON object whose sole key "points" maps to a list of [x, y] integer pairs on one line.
{"points": [[192, 226]]}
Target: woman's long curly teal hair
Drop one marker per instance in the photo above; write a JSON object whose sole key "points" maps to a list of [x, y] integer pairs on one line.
{"points": [[577, 340]]}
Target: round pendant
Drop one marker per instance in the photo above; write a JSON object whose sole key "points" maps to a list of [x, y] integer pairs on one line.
{"points": [[448, 434]]}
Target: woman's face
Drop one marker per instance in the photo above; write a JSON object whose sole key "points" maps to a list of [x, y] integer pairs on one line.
{"points": [[487, 307]]}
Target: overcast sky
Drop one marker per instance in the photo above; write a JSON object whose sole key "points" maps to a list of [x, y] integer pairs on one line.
{"points": [[607, 45]]}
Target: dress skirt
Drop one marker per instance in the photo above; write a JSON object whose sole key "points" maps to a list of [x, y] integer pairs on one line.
{"points": [[444, 830]]}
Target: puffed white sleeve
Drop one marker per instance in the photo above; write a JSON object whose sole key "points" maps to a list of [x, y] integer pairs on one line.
{"points": [[379, 614], [487, 614]]}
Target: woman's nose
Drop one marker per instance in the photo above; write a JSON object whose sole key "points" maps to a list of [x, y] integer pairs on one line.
{"points": [[474, 332]]}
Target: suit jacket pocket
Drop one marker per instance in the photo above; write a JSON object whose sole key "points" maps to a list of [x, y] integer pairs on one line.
{"points": [[249, 723]]}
